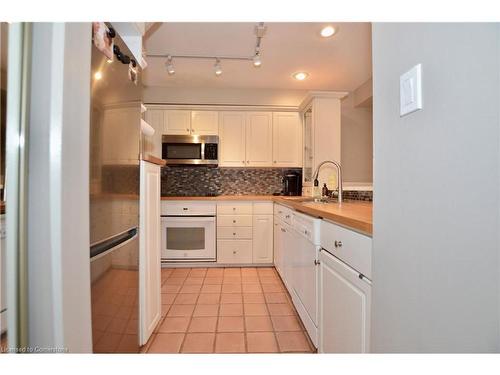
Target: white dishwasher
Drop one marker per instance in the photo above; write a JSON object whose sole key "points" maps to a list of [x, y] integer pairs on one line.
{"points": [[304, 271]]}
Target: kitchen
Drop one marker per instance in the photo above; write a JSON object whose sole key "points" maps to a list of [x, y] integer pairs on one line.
{"points": [[229, 205], [243, 195]]}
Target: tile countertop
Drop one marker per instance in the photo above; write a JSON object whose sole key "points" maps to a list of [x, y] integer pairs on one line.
{"points": [[355, 215]]}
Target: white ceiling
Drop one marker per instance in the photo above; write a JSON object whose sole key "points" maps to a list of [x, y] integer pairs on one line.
{"points": [[342, 62]]}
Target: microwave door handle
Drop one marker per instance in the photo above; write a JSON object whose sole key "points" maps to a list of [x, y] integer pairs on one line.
{"points": [[202, 144]]}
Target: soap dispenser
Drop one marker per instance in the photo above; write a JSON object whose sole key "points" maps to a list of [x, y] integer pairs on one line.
{"points": [[324, 190], [316, 190]]}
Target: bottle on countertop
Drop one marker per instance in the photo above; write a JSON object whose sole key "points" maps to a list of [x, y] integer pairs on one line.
{"points": [[324, 190], [316, 190]]}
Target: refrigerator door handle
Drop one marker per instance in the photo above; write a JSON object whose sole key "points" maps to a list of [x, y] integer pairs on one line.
{"points": [[112, 243]]}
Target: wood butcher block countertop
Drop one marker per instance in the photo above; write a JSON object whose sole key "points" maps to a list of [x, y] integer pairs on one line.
{"points": [[355, 215]]}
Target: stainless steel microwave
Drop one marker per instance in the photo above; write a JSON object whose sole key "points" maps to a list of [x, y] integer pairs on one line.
{"points": [[190, 149]]}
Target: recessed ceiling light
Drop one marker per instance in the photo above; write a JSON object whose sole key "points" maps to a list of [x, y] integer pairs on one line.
{"points": [[328, 31], [300, 76], [97, 76]]}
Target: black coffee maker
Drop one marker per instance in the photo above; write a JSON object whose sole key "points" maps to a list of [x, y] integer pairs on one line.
{"points": [[292, 183]]}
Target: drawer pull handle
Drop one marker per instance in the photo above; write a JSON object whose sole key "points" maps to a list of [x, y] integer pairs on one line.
{"points": [[338, 244], [316, 262], [283, 230], [287, 216], [185, 208]]}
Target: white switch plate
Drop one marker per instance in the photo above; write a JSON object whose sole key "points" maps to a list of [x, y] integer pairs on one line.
{"points": [[410, 91]]}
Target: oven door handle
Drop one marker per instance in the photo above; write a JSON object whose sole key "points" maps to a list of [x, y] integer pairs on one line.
{"points": [[187, 219]]}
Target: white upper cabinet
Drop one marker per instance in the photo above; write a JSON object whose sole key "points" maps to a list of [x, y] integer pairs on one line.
{"points": [[155, 118], [232, 139], [246, 139], [287, 139], [178, 122], [204, 122], [259, 141]]}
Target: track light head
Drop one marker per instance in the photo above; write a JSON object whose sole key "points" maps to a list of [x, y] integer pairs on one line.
{"points": [[217, 68], [257, 62], [169, 65]]}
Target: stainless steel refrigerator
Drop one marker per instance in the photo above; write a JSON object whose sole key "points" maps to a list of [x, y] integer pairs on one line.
{"points": [[115, 147]]}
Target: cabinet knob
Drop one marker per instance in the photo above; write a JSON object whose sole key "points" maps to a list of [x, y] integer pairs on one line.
{"points": [[243, 161], [337, 243], [187, 129], [248, 161], [234, 234], [234, 208], [274, 162], [234, 251], [316, 262], [234, 221]]}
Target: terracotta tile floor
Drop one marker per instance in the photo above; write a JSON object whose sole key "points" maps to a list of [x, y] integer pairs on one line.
{"points": [[227, 310]]}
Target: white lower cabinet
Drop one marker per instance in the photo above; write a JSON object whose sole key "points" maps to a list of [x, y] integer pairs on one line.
{"points": [[332, 296], [234, 251], [262, 238], [245, 232], [277, 241], [149, 251], [345, 308]]}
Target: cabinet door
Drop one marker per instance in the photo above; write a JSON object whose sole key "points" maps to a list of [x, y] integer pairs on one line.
{"points": [[287, 139], [155, 118], [344, 308], [276, 246], [259, 133], [308, 149], [232, 139], [262, 238], [178, 122], [305, 275], [204, 122], [288, 242], [149, 253]]}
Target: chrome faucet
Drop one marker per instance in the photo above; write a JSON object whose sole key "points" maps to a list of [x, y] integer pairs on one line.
{"points": [[339, 175]]}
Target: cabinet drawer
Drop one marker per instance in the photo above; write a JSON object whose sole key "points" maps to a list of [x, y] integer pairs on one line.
{"points": [[352, 248], [234, 251], [284, 213], [263, 208], [234, 220], [228, 233], [196, 208], [236, 208]]}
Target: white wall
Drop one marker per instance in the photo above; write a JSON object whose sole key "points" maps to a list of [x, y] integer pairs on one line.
{"points": [[58, 203], [357, 142], [436, 178], [223, 96]]}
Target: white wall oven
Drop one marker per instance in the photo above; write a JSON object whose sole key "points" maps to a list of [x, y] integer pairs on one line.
{"points": [[188, 231]]}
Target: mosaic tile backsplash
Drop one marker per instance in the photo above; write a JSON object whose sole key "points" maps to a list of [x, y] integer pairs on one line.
{"points": [[202, 181]]}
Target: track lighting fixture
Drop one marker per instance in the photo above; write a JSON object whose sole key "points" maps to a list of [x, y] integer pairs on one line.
{"points": [[256, 60], [169, 65], [260, 31], [217, 68]]}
